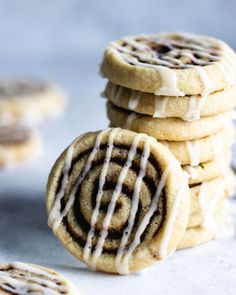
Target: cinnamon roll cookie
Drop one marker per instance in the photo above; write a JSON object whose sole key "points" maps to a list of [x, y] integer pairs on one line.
{"points": [[23, 278], [188, 108], [215, 227], [208, 170], [205, 196], [171, 129], [118, 200], [17, 143], [173, 64], [29, 100]]}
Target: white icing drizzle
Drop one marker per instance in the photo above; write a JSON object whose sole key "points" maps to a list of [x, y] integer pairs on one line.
{"points": [[117, 191], [207, 209], [134, 207], [169, 82], [195, 103], [170, 222], [134, 99], [123, 266], [165, 143], [18, 283], [194, 108], [193, 147], [191, 171], [88, 245], [217, 144], [131, 117], [56, 216], [160, 104]]}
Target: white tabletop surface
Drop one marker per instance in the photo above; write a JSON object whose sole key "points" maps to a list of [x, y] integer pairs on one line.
{"points": [[25, 236]]}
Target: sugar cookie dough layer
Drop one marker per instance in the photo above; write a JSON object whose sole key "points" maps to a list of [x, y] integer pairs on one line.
{"points": [[171, 129], [188, 108]]}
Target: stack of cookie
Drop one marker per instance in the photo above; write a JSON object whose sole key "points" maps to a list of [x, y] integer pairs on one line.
{"points": [[180, 89], [24, 102]]}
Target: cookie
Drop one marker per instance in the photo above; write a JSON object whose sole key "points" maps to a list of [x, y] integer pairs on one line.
{"points": [[23, 278], [173, 64], [171, 129], [206, 195], [188, 108], [219, 227], [209, 148], [208, 170], [17, 143], [118, 200], [29, 100], [196, 152], [199, 218]]}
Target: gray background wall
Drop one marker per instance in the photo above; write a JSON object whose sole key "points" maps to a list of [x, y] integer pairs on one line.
{"points": [[74, 27]]}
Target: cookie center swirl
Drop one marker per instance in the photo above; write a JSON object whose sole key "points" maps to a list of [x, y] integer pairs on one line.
{"points": [[177, 51], [86, 194]]}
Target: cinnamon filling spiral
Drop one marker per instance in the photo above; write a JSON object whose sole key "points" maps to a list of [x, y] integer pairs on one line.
{"points": [[78, 219], [176, 51]]}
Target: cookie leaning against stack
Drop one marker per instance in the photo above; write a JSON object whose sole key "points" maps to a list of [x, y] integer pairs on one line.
{"points": [[118, 200], [180, 89]]}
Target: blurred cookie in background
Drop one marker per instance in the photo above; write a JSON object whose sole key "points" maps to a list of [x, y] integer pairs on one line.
{"points": [[24, 278], [29, 100], [18, 143]]}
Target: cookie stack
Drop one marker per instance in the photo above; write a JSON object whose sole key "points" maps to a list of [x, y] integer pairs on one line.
{"points": [[180, 89], [24, 102]]}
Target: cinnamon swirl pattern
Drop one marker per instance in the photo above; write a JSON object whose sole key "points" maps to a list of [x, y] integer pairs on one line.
{"points": [[118, 200], [173, 64], [22, 278]]}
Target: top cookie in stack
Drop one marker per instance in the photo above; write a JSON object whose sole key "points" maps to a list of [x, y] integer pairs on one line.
{"points": [[179, 88]]}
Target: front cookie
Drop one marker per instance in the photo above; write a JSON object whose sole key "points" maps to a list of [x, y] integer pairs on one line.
{"points": [[118, 200]]}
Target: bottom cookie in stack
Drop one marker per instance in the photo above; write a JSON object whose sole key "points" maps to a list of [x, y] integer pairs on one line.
{"points": [[17, 143]]}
